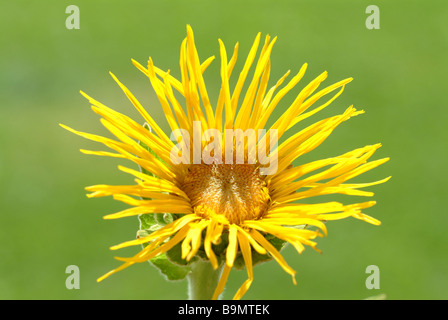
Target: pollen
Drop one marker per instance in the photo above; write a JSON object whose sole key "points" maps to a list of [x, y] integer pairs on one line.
{"points": [[236, 191]]}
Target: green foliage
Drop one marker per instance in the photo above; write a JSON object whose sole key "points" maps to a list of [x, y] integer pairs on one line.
{"points": [[170, 264]]}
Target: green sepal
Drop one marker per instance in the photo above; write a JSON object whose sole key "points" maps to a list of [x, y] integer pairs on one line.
{"points": [[143, 170], [164, 218], [170, 264], [147, 220], [175, 256], [170, 270]]}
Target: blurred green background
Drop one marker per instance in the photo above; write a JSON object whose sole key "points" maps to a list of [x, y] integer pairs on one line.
{"points": [[47, 223]]}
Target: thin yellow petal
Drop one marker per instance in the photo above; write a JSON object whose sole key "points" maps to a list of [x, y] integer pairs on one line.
{"points": [[242, 119], [208, 244], [166, 231], [232, 247], [242, 78], [229, 113], [275, 254], [270, 108], [247, 256], [222, 282], [143, 112], [146, 255], [224, 95], [194, 58]]}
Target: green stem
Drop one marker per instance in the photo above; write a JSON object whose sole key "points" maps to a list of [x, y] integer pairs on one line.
{"points": [[202, 280]]}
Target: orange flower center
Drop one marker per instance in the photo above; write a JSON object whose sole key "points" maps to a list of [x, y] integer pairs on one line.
{"points": [[236, 191]]}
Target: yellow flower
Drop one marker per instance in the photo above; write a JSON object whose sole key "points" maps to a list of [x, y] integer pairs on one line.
{"points": [[224, 198]]}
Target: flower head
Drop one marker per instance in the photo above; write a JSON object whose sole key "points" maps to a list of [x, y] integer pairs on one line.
{"points": [[229, 186]]}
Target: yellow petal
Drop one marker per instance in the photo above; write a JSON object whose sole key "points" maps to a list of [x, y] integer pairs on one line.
{"points": [[275, 254], [232, 247], [222, 282], [247, 256]]}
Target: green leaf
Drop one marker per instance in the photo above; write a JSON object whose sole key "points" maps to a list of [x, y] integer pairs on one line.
{"points": [[175, 256], [174, 267], [170, 264], [170, 270], [147, 220], [143, 170], [164, 218]]}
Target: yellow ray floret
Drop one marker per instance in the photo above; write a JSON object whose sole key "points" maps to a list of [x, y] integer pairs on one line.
{"points": [[227, 204]]}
